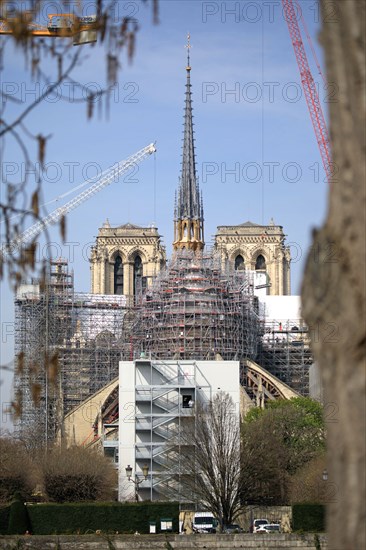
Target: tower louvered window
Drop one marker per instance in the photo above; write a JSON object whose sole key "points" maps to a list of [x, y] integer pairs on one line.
{"points": [[118, 276]]}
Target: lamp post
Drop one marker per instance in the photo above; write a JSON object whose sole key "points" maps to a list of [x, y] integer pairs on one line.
{"points": [[137, 481], [323, 492]]}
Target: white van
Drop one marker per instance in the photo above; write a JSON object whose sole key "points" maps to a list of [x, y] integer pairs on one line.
{"points": [[204, 522]]}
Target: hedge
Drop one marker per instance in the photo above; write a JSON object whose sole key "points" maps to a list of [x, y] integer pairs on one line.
{"points": [[308, 517], [4, 519], [18, 518], [48, 519]]}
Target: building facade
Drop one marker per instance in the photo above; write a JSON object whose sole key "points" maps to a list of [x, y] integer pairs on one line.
{"points": [[261, 248], [156, 399], [125, 259]]}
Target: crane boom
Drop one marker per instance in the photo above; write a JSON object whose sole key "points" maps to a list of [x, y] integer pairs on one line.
{"points": [[60, 25], [308, 85], [107, 178]]}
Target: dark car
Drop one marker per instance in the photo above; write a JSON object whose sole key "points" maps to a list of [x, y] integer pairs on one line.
{"points": [[232, 528]]}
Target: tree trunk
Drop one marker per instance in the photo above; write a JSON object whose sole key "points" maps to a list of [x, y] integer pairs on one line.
{"points": [[333, 292]]}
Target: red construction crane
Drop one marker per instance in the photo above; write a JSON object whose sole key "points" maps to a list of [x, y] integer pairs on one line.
{"points": [[308, 85]]}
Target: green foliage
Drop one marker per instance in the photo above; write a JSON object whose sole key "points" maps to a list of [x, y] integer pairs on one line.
{"points": [[312, 411], [308, 517], [18, 518], [4, 519], [253, 414], [297, 422], [276, 442], [108, 517], [9, 485]]}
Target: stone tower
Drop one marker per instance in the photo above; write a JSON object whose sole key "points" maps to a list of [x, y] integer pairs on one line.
{"points": [[125, 259], [259, 248], [188, 214]]}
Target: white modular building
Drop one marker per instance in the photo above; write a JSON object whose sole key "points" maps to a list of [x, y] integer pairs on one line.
{"points": [[155, 397]]}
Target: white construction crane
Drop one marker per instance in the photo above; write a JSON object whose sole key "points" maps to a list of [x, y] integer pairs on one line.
{"points": [[110, 175]]}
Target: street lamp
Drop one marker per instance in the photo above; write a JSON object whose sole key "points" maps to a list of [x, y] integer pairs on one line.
{"points": [[137, 481], [323, 486]]}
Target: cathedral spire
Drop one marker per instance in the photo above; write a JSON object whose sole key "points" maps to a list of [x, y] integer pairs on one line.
{"points": [[189, 211]]}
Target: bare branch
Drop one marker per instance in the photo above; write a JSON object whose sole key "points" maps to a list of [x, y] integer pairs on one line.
{"points": [[212, 458], [42, 96]]}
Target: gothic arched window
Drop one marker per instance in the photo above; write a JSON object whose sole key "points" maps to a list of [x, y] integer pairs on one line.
{"points": [[239, 263], [260, 262], [118, 275], [137, 275]]}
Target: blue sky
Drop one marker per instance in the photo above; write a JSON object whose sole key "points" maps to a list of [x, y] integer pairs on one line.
{"points": [[257, 157]]}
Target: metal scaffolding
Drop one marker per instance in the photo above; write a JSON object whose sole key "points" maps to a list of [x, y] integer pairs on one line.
{"points": [[286, 353], [67, 347], [69, 344], [196, 310]]}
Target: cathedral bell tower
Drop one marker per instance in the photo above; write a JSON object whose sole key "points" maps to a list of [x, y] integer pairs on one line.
{"points": [[188, 212]]}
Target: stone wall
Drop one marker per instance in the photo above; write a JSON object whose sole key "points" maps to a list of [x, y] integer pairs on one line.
{"points": [[162, 542]]}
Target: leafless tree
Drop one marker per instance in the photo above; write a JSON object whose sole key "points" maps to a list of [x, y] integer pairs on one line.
{"points": [[20, 201], [59, 474], [76, 474], [211, 458], [52, 64], [264, 475], [16, 471]]}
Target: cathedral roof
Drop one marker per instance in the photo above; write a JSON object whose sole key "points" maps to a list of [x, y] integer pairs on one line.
{"points": [[128, 229], [130, 226], [249, 224]]}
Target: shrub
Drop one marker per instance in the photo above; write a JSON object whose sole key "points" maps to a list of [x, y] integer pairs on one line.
{"points": [[16, 471], [4, 519], [308, 517], [18, 518], [307, 484], [108, 517], [78, 474]]}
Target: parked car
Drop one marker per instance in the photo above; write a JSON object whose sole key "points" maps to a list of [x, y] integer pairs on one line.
{"points": [[232, 528], [269, 528], [257, 523]]}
